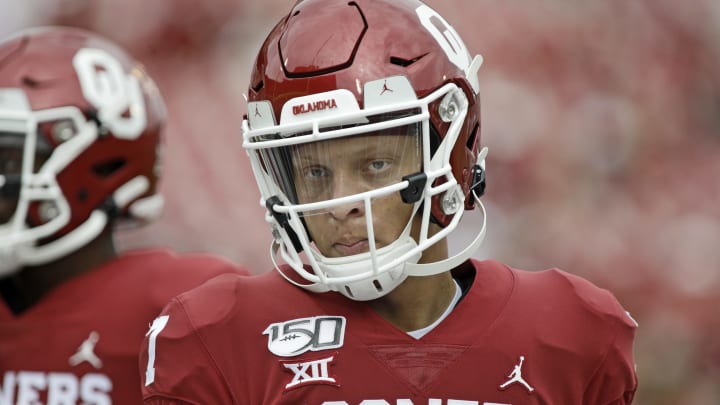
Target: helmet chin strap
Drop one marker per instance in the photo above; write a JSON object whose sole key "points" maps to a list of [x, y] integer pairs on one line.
{"points": [[74, 240], [24, 254], [429, 269], [315, 287]]}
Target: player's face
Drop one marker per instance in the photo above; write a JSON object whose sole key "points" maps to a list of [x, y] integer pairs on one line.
{"points": [[11, 162], [10, 166], [347, 166]]}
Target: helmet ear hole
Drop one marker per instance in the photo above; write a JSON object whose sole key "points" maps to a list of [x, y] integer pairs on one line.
{"points": [[258, 86], [471, 142], [108, 168]]}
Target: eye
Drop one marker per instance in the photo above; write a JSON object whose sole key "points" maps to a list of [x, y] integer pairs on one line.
{"points": [[379, 166], [315, 172]]}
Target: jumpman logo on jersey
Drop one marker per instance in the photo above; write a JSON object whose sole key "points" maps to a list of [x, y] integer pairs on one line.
{"points": [[516, 377], [86, 352], [385, 88]]}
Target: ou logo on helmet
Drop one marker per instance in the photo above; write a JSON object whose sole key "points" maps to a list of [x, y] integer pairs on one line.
{"points": [[448, 39], [108, 88]]}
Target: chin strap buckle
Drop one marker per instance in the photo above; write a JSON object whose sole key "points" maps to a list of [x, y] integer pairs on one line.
{"points": [[478, 173]]}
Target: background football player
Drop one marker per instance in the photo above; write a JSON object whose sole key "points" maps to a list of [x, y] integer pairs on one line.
{"points": [[80, 136], [363, 131]]}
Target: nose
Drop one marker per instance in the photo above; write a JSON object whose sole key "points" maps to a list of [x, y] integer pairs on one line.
{"points": [[346, 185], [346, 211]]}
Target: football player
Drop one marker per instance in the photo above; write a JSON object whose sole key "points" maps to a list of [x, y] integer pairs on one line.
{"points": [[80, 131], [363, 131]]}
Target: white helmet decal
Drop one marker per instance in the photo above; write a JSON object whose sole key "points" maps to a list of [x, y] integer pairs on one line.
{"points": [[113, 92]]}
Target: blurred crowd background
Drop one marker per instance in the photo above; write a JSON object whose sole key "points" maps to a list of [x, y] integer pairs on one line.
{"points": [[603, 124]]}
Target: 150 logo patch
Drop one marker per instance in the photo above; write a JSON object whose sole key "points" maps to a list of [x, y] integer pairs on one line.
{"points": [[295, 337]]}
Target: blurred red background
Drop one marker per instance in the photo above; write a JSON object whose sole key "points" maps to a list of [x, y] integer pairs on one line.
{"points": [[602, 119]]}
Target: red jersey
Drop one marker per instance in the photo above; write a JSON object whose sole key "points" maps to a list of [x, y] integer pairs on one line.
{"points": [[516, 337], [79, 344]]}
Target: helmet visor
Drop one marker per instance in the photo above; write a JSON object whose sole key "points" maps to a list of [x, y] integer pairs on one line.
{"points": [[326, 171]]}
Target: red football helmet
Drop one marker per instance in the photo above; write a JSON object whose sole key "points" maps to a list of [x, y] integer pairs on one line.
{"points": [[334, 70], [80, 128]]}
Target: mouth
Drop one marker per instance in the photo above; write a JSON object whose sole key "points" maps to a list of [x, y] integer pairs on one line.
{"points": [[351, 247]]}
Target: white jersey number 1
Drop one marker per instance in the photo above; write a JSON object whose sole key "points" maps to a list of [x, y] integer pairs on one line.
{"points": [[157, 326]]}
